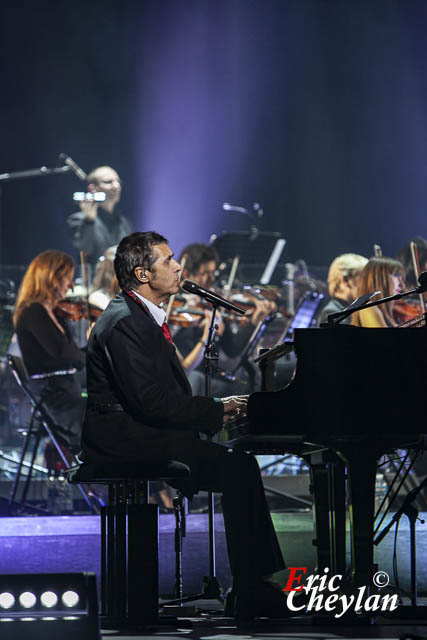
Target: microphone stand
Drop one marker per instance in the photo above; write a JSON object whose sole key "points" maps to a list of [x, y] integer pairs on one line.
{"points": [[34, 173], [211, 586], [212, 589], [18, 175], [411, 512]]}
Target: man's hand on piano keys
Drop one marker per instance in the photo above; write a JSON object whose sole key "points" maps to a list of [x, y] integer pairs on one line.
{"points": [[234, 407]]}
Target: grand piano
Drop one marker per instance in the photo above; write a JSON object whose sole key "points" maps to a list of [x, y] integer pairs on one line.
{"points": [[356, 394]]}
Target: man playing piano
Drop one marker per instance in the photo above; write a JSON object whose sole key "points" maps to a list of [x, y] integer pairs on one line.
{"points": [[140, 407]]}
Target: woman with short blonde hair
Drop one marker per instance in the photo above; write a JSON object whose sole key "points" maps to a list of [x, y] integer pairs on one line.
{"points": [[342, 284], [346, 266]]}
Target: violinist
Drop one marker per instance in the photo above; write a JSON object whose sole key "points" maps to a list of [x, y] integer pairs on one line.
{"points": [[49, 354], [200, 266], [405, 257], [387, 276], [413, 256], [343, 278], [105, 286]]}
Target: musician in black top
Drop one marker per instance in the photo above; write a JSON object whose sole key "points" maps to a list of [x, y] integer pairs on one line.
{"points": [[49, 354], [99, 225], [140, 408], [343, 277]]}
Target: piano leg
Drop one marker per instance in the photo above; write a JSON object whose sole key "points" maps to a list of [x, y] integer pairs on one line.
{"points": [[319, 487], [327, 472], [337, 514], [361, 465]]}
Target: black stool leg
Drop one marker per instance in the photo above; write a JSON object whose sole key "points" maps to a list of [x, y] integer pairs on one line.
{"points": [[179, 511], [110, 549], [120, 559], [143, 563], [129, 557], [104, 590]]}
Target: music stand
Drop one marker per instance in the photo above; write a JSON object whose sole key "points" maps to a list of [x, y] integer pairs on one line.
{"points": [[259, 252]]}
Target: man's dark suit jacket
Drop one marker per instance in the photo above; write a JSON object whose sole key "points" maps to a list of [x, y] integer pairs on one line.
{"points": [[130, 363]]}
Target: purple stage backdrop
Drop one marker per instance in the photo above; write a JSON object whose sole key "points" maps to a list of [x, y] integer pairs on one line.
{"points": [[315, 109]]}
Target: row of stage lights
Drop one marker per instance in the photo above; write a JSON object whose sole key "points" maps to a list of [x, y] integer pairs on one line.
{"points": [[48, 600], [49, 606]]}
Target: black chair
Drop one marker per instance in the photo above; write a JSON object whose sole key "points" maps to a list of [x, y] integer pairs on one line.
{"points": [[41, 423], [129, 538]]}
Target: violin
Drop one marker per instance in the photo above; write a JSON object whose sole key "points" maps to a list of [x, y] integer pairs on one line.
{"points": [[404, 310], [190, 311], [408, 310], [75, 309], [186, 316]]}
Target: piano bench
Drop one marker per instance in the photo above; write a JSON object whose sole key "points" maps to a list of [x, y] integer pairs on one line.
{"points": [[129, 538]]}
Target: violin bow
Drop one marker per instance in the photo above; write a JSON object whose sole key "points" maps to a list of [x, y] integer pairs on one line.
{"points": [[229, 285], [417, 269], [172, 298], [85, 278]]}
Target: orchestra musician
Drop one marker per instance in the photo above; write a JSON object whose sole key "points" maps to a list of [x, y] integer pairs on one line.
{"points": [[200, 266], [49, 354], [405, 257], [140, 408], [105, 285], [99, 225], [343, 278], [385, 275]]}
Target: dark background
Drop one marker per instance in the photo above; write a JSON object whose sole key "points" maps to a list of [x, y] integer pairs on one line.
{"points": [[314, 108]]}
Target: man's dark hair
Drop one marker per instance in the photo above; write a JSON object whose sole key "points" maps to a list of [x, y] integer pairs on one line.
{"points": [[197, 254], [135, 250]]}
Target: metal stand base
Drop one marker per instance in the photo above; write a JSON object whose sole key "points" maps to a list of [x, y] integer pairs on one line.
{"points": [[211, 589], [409, 612], [150, 624]]}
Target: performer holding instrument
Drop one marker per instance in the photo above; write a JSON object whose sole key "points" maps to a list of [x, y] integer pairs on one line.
{"points": [[385, 275], [49, 354], [233, 335], [105, 285]]}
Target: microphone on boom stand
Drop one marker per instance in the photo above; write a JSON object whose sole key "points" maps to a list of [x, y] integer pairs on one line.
{"points": [[73, 166], [210, 296]]}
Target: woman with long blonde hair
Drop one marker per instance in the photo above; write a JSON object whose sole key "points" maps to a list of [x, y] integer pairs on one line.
{"points": [[385, 275], [105, 286], [49, 354]]}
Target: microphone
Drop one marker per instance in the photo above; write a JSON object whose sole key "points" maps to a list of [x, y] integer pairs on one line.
{"points": [[73, 166], [210, 296], [231, 207]]}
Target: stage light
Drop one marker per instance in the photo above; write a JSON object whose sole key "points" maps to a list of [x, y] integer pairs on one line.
{"points": [[27, 599], [62, 604], [49, 599], [70, 599], [7, 600]]}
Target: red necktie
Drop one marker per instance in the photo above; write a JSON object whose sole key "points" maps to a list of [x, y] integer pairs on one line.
{"points": [[166, 332]]}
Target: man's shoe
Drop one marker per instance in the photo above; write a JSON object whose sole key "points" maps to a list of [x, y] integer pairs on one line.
{"points": [[264, 600]]}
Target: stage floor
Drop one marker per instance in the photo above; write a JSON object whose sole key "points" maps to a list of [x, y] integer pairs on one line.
{"points": [[71, 544]]}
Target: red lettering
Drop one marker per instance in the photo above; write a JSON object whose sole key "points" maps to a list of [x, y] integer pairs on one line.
{"points": [[293, 577]]}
